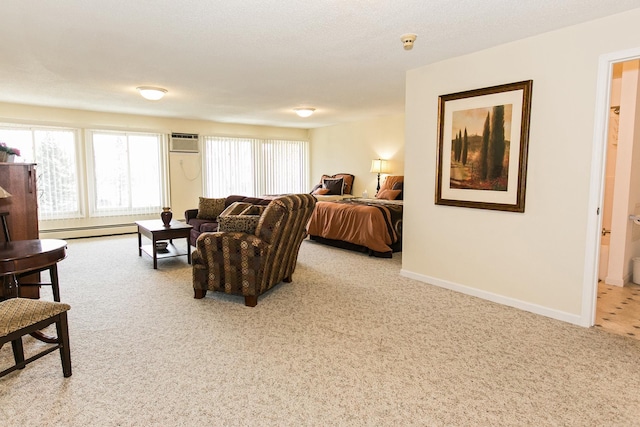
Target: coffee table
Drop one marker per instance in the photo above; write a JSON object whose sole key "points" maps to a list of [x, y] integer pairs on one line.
{"points": [[155, 230]]}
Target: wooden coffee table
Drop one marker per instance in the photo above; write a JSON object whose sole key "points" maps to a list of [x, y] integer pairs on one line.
{"points": [[156, 231]]}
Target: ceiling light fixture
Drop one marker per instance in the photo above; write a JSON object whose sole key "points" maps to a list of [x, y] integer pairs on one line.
{"points": [[304, 112], [151, 93]]}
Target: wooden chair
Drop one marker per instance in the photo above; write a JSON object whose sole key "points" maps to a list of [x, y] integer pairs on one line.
{"points": [[22, 316]]}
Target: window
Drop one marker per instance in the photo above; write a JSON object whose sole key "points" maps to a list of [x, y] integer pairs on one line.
{"points": [[129, 173], [54, 150], [254, 167]]}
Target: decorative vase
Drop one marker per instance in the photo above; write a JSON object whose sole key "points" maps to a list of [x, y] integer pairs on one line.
{"points": [[11, 158], [3, 156], [166, 216]]}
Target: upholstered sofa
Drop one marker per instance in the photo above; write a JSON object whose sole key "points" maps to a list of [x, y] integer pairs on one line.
{"points": [[252, 262], [202, 222]]}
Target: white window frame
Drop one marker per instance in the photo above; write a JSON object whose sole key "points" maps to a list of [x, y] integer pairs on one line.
{"points": [[163, 165], [80, 202]]}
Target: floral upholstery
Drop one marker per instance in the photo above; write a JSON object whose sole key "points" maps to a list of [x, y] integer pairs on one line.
{"points": [[251, 264]]}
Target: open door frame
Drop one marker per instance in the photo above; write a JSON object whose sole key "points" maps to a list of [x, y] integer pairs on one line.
{"points": [[596, 185]]}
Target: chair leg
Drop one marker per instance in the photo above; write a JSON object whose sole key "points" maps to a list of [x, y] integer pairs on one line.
{"points": [[18, 351], [53, 271], [287, 279], [250, 300], [63, 338]]}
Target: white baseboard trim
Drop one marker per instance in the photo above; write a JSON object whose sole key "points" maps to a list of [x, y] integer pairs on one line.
{"points": [[98, 231], [500, 299]]}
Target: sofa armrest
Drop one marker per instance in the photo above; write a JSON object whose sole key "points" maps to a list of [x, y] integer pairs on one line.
{"points": [[190, 214]]}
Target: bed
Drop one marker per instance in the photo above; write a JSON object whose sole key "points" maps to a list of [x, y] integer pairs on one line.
{"points": [[373, 226]]}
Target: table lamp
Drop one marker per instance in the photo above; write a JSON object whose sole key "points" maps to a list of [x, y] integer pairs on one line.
{"points": [[379, 166]]}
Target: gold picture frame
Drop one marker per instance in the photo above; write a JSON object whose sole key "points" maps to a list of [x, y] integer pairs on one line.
{"points": [[483, 140]]}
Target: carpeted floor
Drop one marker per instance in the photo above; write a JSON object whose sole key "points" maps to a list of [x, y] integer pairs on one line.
{"points": [[348, 343]]}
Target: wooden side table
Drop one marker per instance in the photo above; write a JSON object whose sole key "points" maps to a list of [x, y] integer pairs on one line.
{"points": [[156, 231]]}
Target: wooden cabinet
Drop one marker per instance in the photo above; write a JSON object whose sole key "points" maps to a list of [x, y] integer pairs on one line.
{"points": [[19, 179]]}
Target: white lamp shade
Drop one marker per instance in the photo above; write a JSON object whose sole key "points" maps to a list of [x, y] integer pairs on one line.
{"points": [[304, 112], [151, 93], [379, 166], [4, 193]]}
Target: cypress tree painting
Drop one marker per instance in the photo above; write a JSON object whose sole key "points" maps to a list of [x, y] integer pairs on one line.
{"points": [[480, 149], [483, 138]]}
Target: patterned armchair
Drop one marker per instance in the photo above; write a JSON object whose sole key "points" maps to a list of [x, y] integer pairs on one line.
{"points": [[250, 264]]}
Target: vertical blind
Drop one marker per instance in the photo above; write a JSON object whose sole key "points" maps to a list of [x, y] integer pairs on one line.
{"points": [[254, 167]]}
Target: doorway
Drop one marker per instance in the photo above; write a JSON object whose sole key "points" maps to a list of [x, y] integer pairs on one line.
{"points": [[618, 196]]}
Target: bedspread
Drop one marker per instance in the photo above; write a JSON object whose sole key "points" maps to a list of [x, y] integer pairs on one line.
{"points": [[371, 223]]}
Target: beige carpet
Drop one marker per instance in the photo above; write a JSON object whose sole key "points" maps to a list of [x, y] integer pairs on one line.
{"points": [[348, 343]]}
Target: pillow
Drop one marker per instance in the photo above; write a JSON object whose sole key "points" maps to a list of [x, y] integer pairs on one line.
{"points": [[348, 181], [210, 208], [239, 223], [315, 187], [390, 181], [321, 191], [388, 194], [335, 186], [254, 210], [399, 186], [235, 208]]}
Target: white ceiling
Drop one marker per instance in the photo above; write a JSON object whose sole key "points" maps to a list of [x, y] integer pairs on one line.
{"points": [[252, 61]]}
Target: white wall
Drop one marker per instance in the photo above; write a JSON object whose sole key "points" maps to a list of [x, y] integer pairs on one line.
{"points": [[350, 147], [185, 179], [533, 260]]}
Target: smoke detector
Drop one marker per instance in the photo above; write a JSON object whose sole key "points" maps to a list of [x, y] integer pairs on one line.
{"points": [[407, 41]]}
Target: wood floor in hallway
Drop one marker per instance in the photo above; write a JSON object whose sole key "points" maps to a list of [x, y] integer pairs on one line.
{"points": [[618, 309]]}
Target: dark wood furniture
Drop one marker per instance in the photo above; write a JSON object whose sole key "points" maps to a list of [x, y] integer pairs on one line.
{"points": [[22, 258], [5, 226], [19, 179], [156, 231], [22, 316]]}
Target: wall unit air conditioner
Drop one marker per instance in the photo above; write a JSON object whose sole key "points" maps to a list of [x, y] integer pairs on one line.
{"points": [[184, 143]]}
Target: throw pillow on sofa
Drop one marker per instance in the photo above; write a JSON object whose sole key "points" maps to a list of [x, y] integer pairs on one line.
{"points": [[239, 223], [235, 208], [210, 208], [254, 210]]}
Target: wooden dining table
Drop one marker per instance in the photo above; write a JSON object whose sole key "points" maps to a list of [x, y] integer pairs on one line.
{"points": [[22, 258]]}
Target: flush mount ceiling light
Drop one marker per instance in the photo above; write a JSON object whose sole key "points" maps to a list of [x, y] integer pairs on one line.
{"points": [[304, 111], [151, 93]]}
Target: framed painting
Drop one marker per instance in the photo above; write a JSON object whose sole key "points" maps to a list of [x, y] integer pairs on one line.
{"points": [[483, 137]]}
